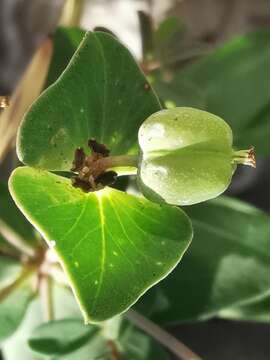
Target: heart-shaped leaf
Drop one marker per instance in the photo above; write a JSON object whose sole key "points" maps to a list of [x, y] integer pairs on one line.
{"points": [[113, 246], [102, 94]]}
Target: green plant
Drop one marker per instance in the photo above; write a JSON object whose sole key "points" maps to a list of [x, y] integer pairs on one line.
{"points": [[76, 139]]}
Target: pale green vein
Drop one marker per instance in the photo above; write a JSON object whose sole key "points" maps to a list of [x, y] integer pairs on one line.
{"points": [[84, 238], [120, 249], [103, 250], [76, 221], [137, 211], [124, 231]]}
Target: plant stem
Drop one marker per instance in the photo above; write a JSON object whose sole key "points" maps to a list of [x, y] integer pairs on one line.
{"points": [[162, 336], [16, 240], [27, 271], [72, 13], [245, 157], [119, 161], [45, 289]]}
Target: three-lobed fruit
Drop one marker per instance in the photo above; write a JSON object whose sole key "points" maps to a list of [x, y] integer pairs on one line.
{"points": [[187, 156]]}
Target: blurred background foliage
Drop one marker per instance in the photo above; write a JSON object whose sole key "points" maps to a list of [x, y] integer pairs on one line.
{"points": [[210, 54]]}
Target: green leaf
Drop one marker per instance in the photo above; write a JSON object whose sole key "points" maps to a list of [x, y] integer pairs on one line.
{"points": [[137, 345], [13, 308], [13, 218], [61, 336], [10, 270], [235, 81], [102, 94], [16, 347], [113, 246], [227, 263], [258, 310], [177, 94], [65, 43]]}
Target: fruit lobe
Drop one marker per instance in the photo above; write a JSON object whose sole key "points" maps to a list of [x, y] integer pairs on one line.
{"points": [[186, 156]]}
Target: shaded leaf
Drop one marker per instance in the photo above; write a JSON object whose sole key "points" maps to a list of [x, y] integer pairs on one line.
{"points": [[60, 336], [137, 345], [235, 81], [258, 310], [10, 270], [174, 94], [65, 43], [13, 308], [102, 94], [16, 347], [113, 246], [227, 263]]}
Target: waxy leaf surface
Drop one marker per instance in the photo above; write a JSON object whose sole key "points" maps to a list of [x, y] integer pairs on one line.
{"points": [[113, 246], [102, 94]]}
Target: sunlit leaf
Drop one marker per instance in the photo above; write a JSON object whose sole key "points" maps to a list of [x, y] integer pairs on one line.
{"points": [[113, 246], [102, 94]]}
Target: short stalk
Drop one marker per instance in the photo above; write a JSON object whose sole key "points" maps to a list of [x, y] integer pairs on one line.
{"points": [[245, 157], [111, 162], [162, 336]]}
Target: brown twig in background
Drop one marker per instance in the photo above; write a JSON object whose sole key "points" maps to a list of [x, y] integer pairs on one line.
{"points": [[162, 336]]}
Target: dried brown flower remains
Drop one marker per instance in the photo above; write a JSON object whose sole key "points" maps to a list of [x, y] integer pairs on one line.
{"points": [[91, 175]]}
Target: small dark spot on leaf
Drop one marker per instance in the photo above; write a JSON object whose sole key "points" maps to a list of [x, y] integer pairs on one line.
{"points": [[146, 86]]}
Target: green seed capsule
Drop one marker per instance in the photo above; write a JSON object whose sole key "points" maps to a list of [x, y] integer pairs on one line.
{"points": [[187, 156]]}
